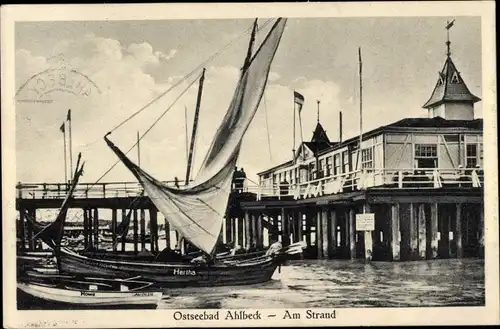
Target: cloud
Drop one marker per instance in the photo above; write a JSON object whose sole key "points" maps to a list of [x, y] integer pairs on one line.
{"points": [[144, 54]]}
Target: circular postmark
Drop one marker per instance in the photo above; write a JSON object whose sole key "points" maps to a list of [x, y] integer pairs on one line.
{"points": [[40, 87]]}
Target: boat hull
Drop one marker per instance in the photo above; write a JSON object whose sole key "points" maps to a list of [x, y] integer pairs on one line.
{"points": [[172, 275], [44, 296]]}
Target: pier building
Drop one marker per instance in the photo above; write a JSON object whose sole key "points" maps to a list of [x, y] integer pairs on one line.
{"points": [[412, 190]]}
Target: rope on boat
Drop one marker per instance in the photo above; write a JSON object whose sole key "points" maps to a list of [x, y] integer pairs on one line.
{"points": [[267, 129]]}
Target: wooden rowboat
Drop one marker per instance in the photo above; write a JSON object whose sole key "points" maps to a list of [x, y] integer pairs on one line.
{"points": [[173, 275], [89, 293]]}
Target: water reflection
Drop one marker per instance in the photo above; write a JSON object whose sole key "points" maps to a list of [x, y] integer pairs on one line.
{"points": [[334, 283]]}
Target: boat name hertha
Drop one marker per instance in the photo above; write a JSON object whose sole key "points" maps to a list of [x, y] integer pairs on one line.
{"points": [[178, 271]]}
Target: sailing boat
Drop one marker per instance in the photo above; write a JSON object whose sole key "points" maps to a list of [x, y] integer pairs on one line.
{"points": [[197, 210]]}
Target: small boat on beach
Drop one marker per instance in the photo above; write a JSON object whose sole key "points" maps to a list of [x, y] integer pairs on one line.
{"points": [[63, 290]]}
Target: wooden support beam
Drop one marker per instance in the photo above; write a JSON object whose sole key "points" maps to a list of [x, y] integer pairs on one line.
{"points": [[253, 221], [395, 236], [458, 231], [300, 232], [260, 231], [332, 232], [319, 240], [434, 230], [124, 215], [413, 232], [239, 226], [85, 229], [31, 241], [166, 224], [248, 237], [113, 227], [22, 233], [90, 231], [352, 233], [227, 227], [422, 234], [96, 228], [481, 230], [153, 231], [324, 232], [143, 229], [285, 227], [136, 228], [367, 235]]}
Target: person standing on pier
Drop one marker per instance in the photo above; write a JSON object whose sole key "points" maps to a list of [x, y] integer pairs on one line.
{"points": [[239, 177]]}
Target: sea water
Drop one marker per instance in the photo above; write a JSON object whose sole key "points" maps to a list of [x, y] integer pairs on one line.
{"points": [[342, 283]]}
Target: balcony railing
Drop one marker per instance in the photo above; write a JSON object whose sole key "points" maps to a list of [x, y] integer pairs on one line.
{"points": [[373, 178]]}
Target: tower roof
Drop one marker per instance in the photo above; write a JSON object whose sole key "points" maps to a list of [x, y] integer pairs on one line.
{"points": [[450, 87], [319, 140], [319, 135]]}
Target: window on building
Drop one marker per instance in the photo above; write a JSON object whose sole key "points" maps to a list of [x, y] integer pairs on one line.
{"points": [[426, 155], [328, 166], [471, 155], [367, 158], [345, 162], [336, 164], [454, 78]]}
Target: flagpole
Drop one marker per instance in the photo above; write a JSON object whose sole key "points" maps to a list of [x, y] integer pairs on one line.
{"points": [[293, 145], [186, 127], [360, 104], [65, 156], [301, 134], [70, 143]]}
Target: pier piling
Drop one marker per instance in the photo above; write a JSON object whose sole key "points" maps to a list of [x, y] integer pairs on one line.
{"points": [[143, 229], [422, 243], [434, 230], [136, 235], [113, 227], [352, 234]]}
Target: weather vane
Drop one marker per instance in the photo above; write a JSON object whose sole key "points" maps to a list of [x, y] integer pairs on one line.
{"points": [[448, 27]]}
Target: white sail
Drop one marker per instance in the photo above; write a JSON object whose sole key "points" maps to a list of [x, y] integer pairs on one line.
{"points": [[197, 211]]}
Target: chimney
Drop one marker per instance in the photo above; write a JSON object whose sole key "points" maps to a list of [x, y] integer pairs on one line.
{"points": [[340, 126]]}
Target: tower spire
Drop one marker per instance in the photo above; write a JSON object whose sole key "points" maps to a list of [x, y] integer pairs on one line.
{"points": [[318, 110], [448, 43]]}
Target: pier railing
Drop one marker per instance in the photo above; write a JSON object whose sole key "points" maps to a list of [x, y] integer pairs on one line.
{"points": [[372, 178], [83, 190], [351, 181]]}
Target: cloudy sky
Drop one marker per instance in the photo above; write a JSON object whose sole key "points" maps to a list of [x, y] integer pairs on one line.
{"points": [[132, 62]]}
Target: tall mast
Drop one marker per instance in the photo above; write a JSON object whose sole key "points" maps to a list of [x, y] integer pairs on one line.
{"points": [[250, 45], [195, 127], [360, 105], [138, 150], [186, 132], [68, 118]]}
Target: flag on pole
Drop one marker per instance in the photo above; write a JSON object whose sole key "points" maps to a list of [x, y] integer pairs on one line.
{"points": [[450, 24], [68, 117], [299, 100], [62, 128]]}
